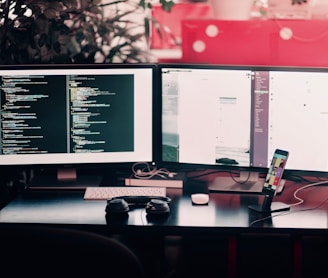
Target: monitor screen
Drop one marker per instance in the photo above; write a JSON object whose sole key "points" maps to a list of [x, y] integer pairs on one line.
{"points": [[236, 116], [77, 114]]}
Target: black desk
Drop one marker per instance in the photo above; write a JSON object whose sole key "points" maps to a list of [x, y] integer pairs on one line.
{"points": [[224, 212], [226, 216]]}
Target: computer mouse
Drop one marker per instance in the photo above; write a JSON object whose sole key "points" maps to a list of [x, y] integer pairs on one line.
{"points": [[200, 198]]}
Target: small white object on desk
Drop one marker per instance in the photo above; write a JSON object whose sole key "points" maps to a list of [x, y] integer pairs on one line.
{"points": [[200, 198]]}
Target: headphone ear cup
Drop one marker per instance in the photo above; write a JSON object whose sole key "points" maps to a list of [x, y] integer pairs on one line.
{"points": [[157, 207], [117, 207]]}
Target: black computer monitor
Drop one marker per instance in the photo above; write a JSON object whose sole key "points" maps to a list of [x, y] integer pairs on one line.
{"points": [[234, 117], [71, 116]]}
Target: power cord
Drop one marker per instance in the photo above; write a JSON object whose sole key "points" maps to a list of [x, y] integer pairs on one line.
{"points": [[143, 170], [300, 201]]}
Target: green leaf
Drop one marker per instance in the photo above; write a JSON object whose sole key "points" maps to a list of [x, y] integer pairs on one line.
{"points": [[167, 5]]}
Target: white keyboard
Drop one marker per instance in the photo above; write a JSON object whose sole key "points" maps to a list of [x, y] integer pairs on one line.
{"points": [[107, 193]]}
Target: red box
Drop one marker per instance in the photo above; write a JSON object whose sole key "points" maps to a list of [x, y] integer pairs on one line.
{"points": [[256, 42], [170, 23]]}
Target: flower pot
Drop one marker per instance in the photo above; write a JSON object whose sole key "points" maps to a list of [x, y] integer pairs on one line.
{"points": [[231, 9]]}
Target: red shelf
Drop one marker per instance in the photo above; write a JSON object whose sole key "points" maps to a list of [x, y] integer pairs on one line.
{"points": [[256, 42]]}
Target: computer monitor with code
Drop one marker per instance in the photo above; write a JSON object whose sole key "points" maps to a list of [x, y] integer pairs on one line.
{"points": [[67, 116]]}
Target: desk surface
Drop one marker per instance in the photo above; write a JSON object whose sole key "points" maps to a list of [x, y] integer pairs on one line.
{"points": [[224, 213]]}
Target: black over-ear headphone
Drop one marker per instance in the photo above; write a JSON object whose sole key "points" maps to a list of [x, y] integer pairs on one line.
{"points": [[155, 206]]}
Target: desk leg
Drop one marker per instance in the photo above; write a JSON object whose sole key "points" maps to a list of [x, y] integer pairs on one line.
{"points": [[297, 249], [232, 257]]}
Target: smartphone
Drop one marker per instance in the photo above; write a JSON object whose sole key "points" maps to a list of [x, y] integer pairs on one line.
{"points": [[275, 172]]}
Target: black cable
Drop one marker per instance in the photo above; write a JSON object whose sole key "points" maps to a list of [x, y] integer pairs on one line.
{"points": [[241, 182]]}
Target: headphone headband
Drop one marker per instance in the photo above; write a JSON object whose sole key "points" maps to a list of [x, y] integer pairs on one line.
{"points": [[155, 205], [141, 200]]}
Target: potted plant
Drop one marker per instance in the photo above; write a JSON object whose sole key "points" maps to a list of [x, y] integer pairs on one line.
{"points": [[241, 9], [288, 9], [75, 31], [300, 2]]}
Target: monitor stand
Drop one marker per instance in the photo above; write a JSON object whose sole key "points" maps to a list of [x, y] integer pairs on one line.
{"points": [[248, 182], [65, 178], [268, 206]]}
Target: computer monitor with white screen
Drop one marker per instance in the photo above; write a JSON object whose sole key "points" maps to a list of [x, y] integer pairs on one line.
{"points": [[234, 117], [69, 116]]}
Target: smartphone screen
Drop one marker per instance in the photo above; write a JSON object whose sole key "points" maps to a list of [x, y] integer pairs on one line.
{"points": [[275, 172]]}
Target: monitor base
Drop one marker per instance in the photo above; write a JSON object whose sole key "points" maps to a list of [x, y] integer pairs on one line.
{"points": [[65, 179]]}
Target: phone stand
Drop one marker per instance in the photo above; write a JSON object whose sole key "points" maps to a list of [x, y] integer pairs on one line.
{"points": [[268, 206]]}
